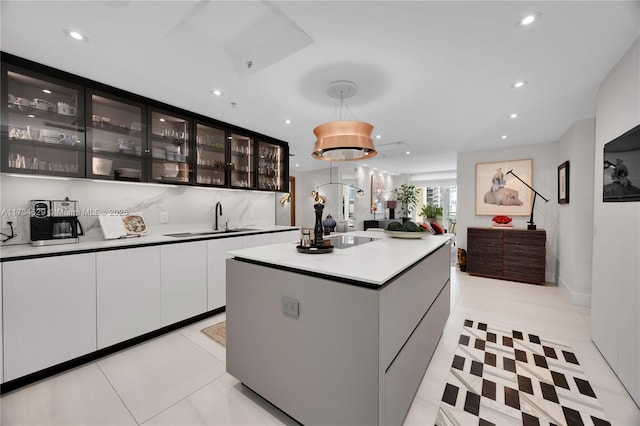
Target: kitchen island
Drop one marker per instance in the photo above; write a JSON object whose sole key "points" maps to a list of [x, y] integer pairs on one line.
{"points": [[338, 338]]}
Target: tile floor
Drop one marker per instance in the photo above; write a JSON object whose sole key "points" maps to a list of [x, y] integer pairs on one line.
{"points": [[180, 379]]}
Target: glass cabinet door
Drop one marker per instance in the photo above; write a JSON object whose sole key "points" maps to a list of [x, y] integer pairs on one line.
{"points": [[43, 126], [169, 145], [271, 166], [242, 162], [211, 160], [115, 139]]}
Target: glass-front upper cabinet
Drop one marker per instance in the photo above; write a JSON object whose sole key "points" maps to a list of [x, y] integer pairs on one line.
{"points": [[211, 160], [169, 146], [116, 141], [242, 162], [43, 125], [271, 166]]}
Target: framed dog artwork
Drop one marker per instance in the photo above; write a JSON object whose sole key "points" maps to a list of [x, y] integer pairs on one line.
{"points": [[498, 192]]}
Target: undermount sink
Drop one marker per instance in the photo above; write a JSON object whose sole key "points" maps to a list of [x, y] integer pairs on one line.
{"points": [[201, 233]]}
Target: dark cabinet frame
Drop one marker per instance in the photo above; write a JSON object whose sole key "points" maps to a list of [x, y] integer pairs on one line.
{"points": [[87, 87], [5, 128]]}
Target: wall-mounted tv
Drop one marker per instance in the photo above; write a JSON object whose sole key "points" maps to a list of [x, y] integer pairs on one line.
{"points": [[622, 168]]}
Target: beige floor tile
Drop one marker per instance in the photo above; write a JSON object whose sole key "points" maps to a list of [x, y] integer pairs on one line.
{"points": [[157, 374], [222, 402], [194, 333], [79, 397]]}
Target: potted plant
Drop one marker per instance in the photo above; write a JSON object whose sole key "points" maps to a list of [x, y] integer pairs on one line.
{"points": [[431, 212], [407, 197]]}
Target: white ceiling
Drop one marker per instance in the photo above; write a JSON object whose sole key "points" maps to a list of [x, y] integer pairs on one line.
{"points": [[434, 75]]}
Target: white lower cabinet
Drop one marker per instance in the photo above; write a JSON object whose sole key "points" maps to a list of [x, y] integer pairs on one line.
{"points": [[285, 237], [54, 309], [183, 281], [216, 269], [128, 293], [216, 264], [49, 310], [255, 240]]}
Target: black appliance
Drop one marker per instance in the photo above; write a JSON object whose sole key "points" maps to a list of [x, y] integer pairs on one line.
{"points": [[54, 222]]}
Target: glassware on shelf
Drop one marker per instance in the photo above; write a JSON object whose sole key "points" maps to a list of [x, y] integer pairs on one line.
{"points": [[41, 139]]}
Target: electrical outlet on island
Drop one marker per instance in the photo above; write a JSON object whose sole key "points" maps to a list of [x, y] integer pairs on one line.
{"points": [[164, 217], [252, 215]]}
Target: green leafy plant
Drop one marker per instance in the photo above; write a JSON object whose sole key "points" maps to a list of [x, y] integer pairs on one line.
{"points": [[430, 211], [407, 196]]}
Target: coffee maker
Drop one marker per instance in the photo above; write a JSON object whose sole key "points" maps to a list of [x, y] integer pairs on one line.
{"points": [[54, 222]]}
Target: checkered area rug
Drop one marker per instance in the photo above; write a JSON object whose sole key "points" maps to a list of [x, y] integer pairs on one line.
{"points": [[508, 377]]}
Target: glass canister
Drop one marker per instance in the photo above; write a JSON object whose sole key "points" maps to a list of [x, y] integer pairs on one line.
{"points": [[305, 240]]}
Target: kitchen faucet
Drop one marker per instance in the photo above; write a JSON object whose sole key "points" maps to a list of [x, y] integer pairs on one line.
{"points": [[218, 207]]}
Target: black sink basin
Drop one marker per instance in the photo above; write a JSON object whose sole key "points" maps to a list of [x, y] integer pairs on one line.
{"points": [[202, 233]]}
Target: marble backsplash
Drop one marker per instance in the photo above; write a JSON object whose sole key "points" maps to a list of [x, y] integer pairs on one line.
{"points": [[187, 207]]}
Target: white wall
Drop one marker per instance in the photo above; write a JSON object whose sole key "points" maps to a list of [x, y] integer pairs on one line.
{"points": [[616, 233], [575, 219], [545, 165], [186, 205]]}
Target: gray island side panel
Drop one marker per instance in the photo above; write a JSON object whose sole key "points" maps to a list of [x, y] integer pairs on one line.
{"points": [[317, 367], [354, 355]]}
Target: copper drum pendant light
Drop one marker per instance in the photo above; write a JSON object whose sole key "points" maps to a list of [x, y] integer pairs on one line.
{"points": [[343, 140]]}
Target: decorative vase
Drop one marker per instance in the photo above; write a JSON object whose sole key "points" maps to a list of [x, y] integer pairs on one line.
{"points": [[317, 229], [329, 225]]}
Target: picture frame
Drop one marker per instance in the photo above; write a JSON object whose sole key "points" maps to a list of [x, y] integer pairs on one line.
{"points": [[499, 192], [563, 183]]}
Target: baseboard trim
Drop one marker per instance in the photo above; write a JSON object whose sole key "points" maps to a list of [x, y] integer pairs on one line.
{"points": [[580, 299]]}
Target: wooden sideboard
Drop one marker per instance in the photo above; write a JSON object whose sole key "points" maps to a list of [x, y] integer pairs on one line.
{"points": [[508, 254]]}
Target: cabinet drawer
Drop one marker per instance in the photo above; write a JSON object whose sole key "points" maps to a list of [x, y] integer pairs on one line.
{"points": [[484, 248], [402, 306], [484, 265], [516, 252], [528, 275], [526, 238], [488, 234], [404, 375]]}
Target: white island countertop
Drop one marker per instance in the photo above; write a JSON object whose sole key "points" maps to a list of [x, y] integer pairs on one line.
{"points": [[373, 263]]}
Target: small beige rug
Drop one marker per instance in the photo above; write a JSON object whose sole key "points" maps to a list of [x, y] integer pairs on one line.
{"points": [[217, 332]]}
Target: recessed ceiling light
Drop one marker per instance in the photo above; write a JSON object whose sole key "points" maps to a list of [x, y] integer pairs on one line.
{"points": [[503, 137], [75, 35], [514, 115], [287, 121], [297, 165], [528, 20], [519, 84], [31, 116], [378, 136], [216, 92], [46, 91], [162, 119], [408, 152]]}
